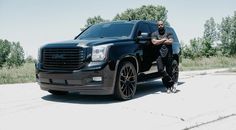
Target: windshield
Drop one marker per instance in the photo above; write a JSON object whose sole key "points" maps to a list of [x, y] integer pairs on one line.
{"points": [[107, 30]]}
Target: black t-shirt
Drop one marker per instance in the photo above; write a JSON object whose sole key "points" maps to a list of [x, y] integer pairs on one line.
{"points": [[162, 48]]}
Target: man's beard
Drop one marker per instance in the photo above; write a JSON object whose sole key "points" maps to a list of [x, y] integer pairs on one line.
{"points": [[161, 31]]}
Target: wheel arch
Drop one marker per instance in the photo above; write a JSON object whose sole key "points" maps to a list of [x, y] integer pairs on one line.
{"points": [[129, 58]]}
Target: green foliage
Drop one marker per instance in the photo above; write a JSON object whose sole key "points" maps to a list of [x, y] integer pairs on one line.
{"points": [[145, 12], [11, 54], [207, 49], [22, 74], [225, 27], [16, 56], [210, 31], [210, 36], [228, 35], [215, 41], [4, 51], [233, 35], [194, 49], [208, 63]]}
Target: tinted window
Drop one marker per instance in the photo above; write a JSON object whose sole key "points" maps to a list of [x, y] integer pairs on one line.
{"points": [[143, 27], [108, 30], [153, 27]]}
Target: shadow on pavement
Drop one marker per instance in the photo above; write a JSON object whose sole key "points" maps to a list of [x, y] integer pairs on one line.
{"points": [[152, 87], [143, 89]]}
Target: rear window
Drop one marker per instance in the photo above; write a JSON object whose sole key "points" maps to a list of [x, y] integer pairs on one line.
{"points": [[108, 30]]}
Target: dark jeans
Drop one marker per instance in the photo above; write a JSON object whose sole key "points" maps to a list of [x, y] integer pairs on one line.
{"points": [[164, 66]]}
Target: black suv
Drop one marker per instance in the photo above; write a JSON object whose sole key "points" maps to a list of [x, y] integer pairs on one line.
{"points": [[106, 58]]}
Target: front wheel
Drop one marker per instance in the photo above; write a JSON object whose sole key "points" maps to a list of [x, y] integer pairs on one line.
{"points": [[126, 81]]}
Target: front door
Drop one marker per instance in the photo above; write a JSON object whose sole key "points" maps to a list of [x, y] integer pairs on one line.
{"points": [[147, 48]]}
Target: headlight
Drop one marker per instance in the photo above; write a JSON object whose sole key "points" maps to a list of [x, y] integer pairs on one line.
{"points": [[99, 53], [39, 55]]}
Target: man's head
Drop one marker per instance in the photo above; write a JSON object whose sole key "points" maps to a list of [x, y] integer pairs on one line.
{"points": [[161, 27]]}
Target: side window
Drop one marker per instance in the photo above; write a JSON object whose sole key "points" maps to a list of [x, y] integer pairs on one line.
{"points": [[143, 27], [153, 27]]}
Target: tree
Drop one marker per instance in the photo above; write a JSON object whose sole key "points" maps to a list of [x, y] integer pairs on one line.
{"points": [[93, 20], [194, 49], [187, 52], [233, 35], [4, 51], [207, 49], [225, 35], [210, 31], [209, 38], [16, 56], [145, 12]]}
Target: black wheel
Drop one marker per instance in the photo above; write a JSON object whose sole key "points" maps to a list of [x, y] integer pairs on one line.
{"points": [[175, 71], [54, 92], [126, 81]]}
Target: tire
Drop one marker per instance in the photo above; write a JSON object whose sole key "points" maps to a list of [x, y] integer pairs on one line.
{"points": [[126, 81], [54, 92]]}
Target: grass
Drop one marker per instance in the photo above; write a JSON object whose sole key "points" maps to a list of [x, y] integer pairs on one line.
{"points": [[26, 73], [208, 63], [23, 74]]}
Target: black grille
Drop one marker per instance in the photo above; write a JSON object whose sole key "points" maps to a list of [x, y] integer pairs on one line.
{"points": [[63, 58]]}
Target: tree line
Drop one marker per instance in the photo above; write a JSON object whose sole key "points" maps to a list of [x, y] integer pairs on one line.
{"points": [[219, 39], [11, 54], [145, 12]]}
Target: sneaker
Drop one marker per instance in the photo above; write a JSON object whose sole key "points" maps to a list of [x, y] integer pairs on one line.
{"points": [[175, 85], [168, 90], [173, 88]]}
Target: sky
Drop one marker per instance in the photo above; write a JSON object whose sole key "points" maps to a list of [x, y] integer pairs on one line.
{"points": [[36, 22]]}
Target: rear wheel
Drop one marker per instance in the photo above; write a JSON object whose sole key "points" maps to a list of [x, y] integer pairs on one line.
{"points": [[55, 92], [126, 81]]}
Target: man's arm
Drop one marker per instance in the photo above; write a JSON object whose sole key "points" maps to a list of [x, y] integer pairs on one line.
{"points": [[158, 42], [168, 41]]}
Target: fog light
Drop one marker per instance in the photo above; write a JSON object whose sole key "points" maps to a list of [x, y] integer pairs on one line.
{"points": [[97, 79]]}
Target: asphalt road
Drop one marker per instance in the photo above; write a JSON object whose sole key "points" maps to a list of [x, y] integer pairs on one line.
{"points": [[205, 100]]}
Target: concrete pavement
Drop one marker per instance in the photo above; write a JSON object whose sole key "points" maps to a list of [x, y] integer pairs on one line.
{"points": [[203, 101]]}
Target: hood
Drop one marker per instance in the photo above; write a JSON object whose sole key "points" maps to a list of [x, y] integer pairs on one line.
{"points": [[84, 43]]}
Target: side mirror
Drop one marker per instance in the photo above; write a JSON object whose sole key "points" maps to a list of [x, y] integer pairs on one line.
{"points": [[143, 36]]}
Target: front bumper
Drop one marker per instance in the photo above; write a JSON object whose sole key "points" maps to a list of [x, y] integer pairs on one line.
{"points": [[80, 81]]}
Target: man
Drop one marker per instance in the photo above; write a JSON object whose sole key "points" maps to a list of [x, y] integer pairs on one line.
{"points": [[163, 41]]}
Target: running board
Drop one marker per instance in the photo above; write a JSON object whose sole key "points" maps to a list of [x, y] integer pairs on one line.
{"points": [[148, 77]]}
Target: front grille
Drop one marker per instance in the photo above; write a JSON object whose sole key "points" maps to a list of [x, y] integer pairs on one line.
{"points": [[63, 58]]}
